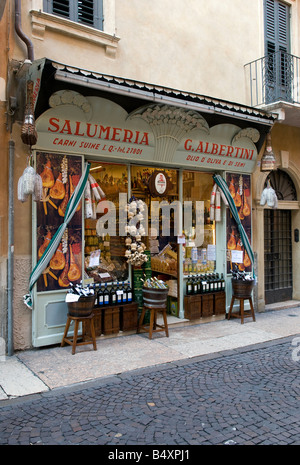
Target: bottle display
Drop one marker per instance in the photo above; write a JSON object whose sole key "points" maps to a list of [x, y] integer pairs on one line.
{"points": [[205, 283], [154, 283]]}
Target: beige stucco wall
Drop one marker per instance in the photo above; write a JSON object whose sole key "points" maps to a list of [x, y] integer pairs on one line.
{"points": [[200, 46]]}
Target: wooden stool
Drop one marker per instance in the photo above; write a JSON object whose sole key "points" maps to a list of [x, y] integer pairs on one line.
{"points": [[152, 327], [242, 314], [74, 342]]}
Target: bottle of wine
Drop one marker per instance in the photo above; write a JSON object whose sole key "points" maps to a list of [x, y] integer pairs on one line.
{"points": [[100, 300], [222, 282], [129, 293], [119, 294], [159, 283], [205, 284], [199, 284], [195, 285], [112, 295], [215, 282], [105, 295], [189, 287], [124, 295]]}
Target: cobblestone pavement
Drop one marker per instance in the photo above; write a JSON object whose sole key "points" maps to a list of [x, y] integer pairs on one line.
{"points": [[245, 397]]}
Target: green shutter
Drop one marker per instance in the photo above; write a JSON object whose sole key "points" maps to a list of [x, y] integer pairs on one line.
{"points": [[89, 12], [278, 70], [276, 27]]}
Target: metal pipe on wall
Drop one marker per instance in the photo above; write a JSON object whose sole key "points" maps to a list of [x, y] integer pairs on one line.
{"points": [[10, 262], [19, 31]]}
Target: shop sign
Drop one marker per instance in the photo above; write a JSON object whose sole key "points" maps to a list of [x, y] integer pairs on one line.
{"points": [[95, 126], [159, 183], [225, 147]]}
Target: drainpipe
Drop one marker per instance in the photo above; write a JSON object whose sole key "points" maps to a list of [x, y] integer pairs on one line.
{"points": [[19, 31], [10, 265], [10, 261]]}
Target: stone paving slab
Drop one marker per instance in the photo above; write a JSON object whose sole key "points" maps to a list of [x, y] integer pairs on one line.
{"points": [[17, 380]]}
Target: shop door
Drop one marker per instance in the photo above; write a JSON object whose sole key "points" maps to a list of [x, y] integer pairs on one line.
{"points": [[278, 256], [62, 173]]}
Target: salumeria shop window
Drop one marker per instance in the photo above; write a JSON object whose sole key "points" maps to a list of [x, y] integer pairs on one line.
{"points": [[199, 253], [104, 253]]}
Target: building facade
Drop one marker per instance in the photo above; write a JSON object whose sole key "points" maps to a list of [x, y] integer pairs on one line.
{"points": [[157, 103]]}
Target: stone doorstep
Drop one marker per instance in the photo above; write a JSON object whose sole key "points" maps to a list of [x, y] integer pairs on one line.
{"points": [[282, 305]]}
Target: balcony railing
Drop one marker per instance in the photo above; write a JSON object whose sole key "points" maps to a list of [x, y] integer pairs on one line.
{"points": [[274, 78]]}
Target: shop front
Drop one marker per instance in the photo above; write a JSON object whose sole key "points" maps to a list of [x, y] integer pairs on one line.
{"points": [[147, 210]]}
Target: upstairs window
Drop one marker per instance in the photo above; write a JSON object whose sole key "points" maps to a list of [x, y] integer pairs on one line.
{"points": [[88, 12]]}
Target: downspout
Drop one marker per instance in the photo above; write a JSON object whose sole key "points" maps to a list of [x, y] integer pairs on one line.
{"points": [[10, 263], [19, 31]]}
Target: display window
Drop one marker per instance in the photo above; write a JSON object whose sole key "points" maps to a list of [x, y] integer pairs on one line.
{"points": [[162, 205], [199, 252], [104, 247], [108, 255], [158, 189]]}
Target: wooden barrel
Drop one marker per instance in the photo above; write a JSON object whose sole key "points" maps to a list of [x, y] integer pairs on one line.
{"points": [[83, 307], [155, 298], [242, 288]]}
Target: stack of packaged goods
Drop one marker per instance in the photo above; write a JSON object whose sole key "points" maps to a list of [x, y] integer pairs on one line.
{"points": [[165, 262], [137, 287], [172, 284]]}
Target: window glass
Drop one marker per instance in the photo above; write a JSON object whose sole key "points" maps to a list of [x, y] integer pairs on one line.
{"points": [[104, 247], [161, 223], [158, 189], [199, 230]]}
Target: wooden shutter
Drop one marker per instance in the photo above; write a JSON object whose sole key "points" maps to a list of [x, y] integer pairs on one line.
{"points": [[276, 27], [278, 61], [89, 12]]}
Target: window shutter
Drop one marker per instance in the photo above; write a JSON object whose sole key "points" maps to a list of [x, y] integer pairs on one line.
{"points": [[86, 12], [278, 63], [89, 12], [276, 26], [61, 8]]}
